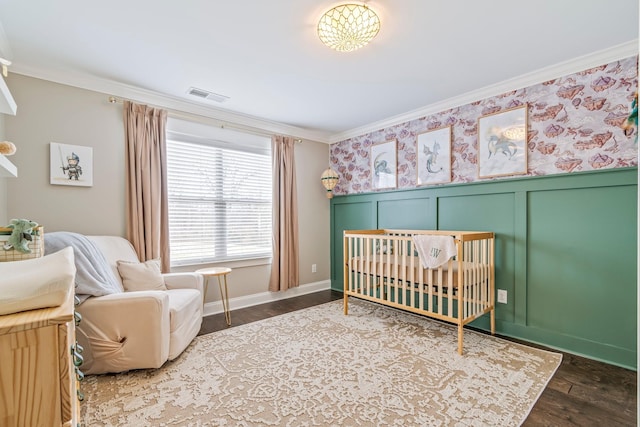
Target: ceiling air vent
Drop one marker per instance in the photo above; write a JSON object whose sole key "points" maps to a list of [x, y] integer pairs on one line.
{"points": [[205, 94]]}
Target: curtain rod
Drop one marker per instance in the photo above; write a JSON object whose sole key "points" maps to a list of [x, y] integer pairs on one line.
{"points": [[223, 125]]}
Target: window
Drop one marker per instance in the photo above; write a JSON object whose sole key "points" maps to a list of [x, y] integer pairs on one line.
{"points": [[219, 199]]}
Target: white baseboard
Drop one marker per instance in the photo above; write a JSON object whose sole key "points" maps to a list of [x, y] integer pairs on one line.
{"points": [[215, 307]]}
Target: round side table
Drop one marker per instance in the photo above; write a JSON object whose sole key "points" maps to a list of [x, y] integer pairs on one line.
{"points": [[221, 274]]}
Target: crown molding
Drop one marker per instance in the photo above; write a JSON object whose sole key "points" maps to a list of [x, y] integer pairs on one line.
{"points": [[173, 104], [266, 127], [575, 65]]}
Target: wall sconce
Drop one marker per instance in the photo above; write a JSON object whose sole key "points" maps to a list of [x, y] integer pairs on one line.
{"points": [[329, 179]]}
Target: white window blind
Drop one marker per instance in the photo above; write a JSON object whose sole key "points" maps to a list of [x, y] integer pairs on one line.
{"points": [[219, 202]]}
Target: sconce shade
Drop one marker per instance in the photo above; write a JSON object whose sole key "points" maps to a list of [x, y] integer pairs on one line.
{"points": [[329, 179], [348, 27]]}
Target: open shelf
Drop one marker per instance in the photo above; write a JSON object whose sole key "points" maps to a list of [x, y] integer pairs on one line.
{"points": [[7, 169], [7, 104]]}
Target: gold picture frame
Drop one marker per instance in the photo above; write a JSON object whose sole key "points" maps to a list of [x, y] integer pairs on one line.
{"points": [[502, 143]]}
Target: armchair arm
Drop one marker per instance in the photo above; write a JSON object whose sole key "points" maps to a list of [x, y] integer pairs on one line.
{"points": [[183, 281], [124, 331]]}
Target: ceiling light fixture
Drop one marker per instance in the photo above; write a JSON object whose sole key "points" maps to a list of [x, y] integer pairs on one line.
{"points": [[348, 27]]}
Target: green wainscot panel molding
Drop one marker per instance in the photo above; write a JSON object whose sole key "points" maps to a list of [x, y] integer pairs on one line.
{"points": [[487, 212], [406, 214], [582, 264], [359, 215]]}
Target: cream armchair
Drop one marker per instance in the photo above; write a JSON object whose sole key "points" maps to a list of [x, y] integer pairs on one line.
{"points": [[140, 329]]}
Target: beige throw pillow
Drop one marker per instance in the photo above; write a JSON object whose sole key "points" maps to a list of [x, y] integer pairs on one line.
{"points": [[142, 276]]}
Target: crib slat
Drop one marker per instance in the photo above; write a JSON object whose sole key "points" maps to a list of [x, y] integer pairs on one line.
{"points": [[395, 270], [487, 296], [375, 284], [429, 282], [465, 274], [461, 291], [367, 266], [492, 277], [449, 286], [481, 280], [420, 286], [480, 274], [404, 272], [384, 271], [472, 280], [346, 274], [412, 276], [363, 267], [440, 285], [348, 284]]}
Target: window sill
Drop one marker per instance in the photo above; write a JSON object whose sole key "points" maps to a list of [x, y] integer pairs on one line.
{"points": [[238, 263]]}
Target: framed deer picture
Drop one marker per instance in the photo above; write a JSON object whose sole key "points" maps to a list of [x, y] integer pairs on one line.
{"points": [[502, 143]]}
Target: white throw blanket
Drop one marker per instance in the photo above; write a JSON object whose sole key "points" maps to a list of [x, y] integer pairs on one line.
{"points": [[434, 251], [94, 277]]}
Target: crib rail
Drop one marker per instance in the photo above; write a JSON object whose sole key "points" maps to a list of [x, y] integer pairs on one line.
{"points": [[383, 266]]}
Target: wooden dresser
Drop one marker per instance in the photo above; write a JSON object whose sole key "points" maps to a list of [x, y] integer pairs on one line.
{"points": [[38, 377]]}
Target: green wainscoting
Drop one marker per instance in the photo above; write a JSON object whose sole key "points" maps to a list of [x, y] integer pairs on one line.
{"points": [[566, 251]]}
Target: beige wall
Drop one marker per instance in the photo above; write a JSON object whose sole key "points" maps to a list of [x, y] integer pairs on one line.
{"points": [[51, 112], [311, 160]]}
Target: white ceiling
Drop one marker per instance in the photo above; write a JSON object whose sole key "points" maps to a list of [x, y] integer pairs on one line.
{"points": [[265, 54]]}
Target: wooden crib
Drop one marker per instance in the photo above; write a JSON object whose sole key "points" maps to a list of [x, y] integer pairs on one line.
{"points": [[383, 266]]}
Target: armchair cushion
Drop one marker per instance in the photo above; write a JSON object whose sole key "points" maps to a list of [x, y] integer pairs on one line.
{"points": [[141, 276]]}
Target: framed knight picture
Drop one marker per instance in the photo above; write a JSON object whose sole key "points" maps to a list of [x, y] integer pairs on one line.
{"points": [[70, 165], [433, 156]]}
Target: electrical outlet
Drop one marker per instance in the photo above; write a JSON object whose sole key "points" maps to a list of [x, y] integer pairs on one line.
{"points": [[502, 296], [314, 268]]}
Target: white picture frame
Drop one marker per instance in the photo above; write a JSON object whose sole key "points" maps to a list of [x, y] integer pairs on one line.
{"points": [[384, 165], [433, 156], [70, 165]]}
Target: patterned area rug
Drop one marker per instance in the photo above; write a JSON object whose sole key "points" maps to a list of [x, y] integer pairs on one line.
{"points": [[316, 367]]}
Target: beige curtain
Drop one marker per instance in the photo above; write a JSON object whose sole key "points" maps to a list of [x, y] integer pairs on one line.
{"points": [[284, 268], [146, 166]]}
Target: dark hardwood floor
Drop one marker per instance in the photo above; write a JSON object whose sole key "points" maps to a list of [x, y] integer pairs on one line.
{"points": [[582, 392]]}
